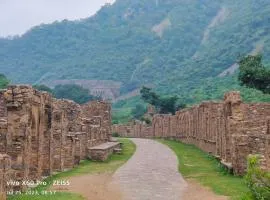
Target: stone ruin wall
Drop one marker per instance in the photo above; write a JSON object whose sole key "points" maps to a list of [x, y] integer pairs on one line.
{"points": [[40, 135], [229, 130], [136, 129], [4, 174]]}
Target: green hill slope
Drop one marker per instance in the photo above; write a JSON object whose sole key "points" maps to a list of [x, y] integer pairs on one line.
{"points": [[176, 45]]}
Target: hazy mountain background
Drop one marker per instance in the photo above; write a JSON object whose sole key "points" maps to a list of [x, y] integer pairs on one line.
{"points": [[187, 47]]}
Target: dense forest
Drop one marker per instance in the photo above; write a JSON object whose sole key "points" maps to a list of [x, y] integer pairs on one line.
{"points": [[184, 47], [69, 91]]}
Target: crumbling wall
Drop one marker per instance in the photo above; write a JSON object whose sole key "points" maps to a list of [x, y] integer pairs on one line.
{"points": [[3, 124], [23, 133], [230, 130], [133, 129], [42, 134], [67, 130], [4, 174], [201, 125], [100, 113], [251, 134], [27, 133]]}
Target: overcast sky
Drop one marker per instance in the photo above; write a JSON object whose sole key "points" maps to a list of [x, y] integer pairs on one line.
{"points": [[17, 16]]}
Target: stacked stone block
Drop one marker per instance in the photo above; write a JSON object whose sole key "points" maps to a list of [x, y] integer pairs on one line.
{"points": [[100, 113]]}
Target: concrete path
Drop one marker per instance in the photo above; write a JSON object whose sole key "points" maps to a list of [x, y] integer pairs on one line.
{"points": [[151, 173]]}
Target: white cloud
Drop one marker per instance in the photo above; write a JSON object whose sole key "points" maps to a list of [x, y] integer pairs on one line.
{"points": [[17, 16]]}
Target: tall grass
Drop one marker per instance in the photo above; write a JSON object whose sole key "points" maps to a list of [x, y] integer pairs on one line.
{"points": [[196, 164]]}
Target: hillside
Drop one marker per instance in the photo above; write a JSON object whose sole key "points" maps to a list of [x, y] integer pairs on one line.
{"points": [[175, 45]]}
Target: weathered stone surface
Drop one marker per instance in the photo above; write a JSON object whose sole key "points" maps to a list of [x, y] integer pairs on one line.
{"points": [[100, 113], [42, 134], [103, 151], [133, 129], [230, 130], [4, 174]]}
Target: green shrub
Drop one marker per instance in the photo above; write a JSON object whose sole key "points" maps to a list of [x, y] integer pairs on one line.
{"points": [[257, 180], [146, 120], [115, 121], [115, 134]]}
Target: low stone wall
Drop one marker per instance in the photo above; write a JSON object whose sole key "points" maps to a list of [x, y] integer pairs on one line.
{"points": [[43, 135], [230, 130], [103, 151], [134, 129]]}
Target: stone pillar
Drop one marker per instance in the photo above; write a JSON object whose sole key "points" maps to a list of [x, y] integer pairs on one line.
{"points": [[18, 99], [236, 142], [59, 130], [103, 110], [46, 135]]}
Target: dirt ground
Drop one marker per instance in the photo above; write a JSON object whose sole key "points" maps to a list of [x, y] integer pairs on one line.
{"points": [[92, 187], [195, 191], [99, 187]]}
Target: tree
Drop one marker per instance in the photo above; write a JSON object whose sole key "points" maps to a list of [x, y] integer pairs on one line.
{"points": [[165, 104], [73, 92], [253, 74], [138, 111], [3, 81], [150, 97]]}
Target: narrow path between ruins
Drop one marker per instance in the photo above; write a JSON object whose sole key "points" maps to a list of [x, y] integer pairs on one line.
{"points": [[151, 174]]}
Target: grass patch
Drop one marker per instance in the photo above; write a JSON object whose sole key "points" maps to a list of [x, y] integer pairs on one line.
{"points": [[86, 167], [196, 164]]}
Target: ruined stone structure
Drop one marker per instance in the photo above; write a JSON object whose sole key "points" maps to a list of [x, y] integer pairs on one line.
{"points": [[230, 130], [42, 135], [135, 129], [4, 174]]}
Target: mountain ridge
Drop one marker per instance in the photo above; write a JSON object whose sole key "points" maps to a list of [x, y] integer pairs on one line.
{"points": [[175, 45]]}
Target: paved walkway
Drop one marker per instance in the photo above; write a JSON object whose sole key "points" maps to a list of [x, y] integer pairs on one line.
{"points": [[151, 173]]}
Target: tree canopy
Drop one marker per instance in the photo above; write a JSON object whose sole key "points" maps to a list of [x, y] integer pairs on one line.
{"points": [[138, 111], [73, 92], [254, 74], [164, 104], [70, 91]]}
